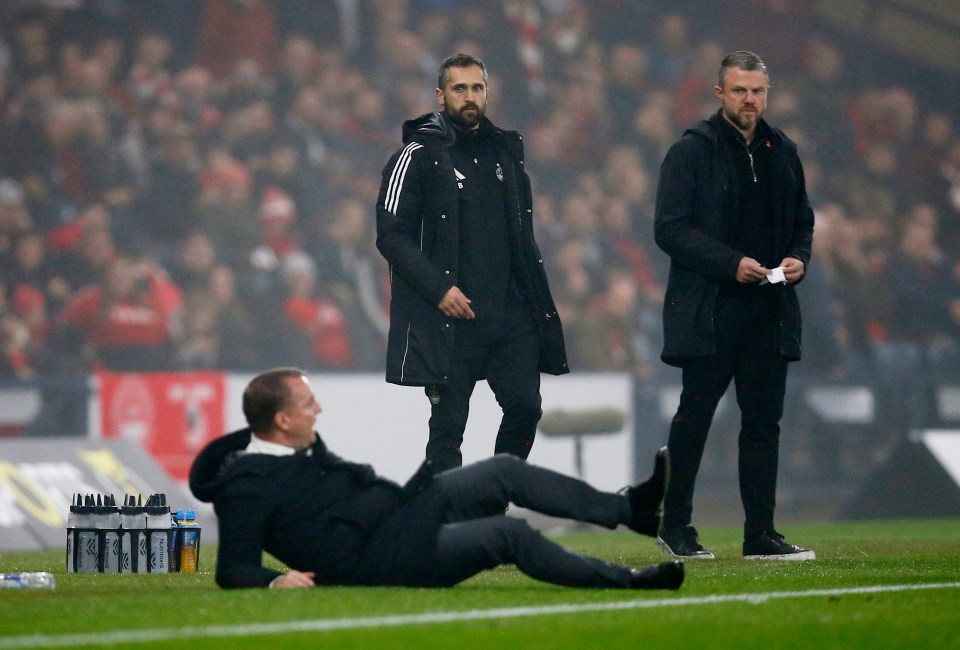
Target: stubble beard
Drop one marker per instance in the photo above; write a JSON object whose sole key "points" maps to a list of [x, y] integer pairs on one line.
{"points": [[745, 121]]}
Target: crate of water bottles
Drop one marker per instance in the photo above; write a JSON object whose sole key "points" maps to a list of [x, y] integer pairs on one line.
{"points": [[136, 537]]}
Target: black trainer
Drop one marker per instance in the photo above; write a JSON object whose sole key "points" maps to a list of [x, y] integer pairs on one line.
{"points": [[770, 545], [683, 542], [646, 499], [668, 575]]}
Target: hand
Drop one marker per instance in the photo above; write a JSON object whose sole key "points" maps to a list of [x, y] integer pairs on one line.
{"points": [[456, 305], [793, 269], [293, 580], [750, 271]]}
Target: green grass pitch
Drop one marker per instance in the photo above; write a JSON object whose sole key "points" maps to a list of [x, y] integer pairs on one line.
{"points": [[878, 584]]}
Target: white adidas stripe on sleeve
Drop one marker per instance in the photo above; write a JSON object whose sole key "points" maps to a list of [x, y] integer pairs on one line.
{"points": [[392, 199]]}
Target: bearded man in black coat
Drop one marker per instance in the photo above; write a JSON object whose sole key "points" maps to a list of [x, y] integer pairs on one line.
{"points": [[469, 296], [733, 214]]}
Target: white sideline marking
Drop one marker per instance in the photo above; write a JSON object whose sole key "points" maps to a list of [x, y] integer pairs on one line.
{"points": [[126, 637]]}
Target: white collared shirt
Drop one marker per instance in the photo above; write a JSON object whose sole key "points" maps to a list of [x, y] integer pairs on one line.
{"points": [[260, 446]]}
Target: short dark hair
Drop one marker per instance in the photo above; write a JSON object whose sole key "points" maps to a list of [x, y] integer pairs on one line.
{"points": [[743, 60], [458, 61], [267, 394]]}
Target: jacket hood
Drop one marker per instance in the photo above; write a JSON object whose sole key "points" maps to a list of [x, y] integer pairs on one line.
{"points": [[217, 463], [436, 124], [209, 467]]}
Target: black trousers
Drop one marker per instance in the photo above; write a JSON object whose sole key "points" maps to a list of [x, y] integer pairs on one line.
{"points": [[748, 352], [512, 372], [476, 535]]}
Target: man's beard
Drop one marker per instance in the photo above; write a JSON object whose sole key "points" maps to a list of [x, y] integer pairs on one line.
{"points": [[462, 120], [742, 123]]}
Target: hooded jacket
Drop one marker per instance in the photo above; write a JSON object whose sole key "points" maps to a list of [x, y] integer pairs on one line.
{"points": [[418, 233], [314, 511], [696, 216]]}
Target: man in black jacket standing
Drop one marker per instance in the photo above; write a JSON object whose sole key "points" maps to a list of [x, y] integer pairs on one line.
{"points": [[469, 295], [275, 487], [733, 215]]}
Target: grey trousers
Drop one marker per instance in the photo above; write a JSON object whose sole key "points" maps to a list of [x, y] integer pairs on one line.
{"points": [[476, 535]]}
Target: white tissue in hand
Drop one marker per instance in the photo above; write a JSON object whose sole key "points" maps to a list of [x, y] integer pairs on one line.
{"points": [[776, 276]]}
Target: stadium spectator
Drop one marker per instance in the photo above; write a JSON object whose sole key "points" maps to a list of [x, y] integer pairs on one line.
{"points": [[230, 31], [15, 220], [240, 344], [352, 274], [150, 80], [218, 332], [199, 343], [277, 218], [607, 336], [826, 335], [167, 205], [629, 82], [226, 209], [315, 315], [284, 168], [15, 344], [924, 177], [125, 322], [84, 248], [924, 289], [32, 283], [194, 263]]}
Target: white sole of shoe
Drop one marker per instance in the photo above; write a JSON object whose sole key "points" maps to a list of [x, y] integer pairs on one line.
{"points": [[706, 555], [790, 557]]}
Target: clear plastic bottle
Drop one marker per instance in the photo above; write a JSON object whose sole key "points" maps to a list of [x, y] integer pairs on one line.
{"points": [[37, 580]]}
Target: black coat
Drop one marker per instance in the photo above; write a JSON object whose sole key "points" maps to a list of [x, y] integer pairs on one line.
{"points": [[696, 215], [315, 512], [418, 232]]}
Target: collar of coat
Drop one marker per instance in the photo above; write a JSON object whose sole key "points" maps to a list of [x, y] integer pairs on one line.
{"points": [[440, 125], [711, 130]]}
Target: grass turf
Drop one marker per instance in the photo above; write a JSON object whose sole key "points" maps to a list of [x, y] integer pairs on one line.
{"points": [[856, 554]]}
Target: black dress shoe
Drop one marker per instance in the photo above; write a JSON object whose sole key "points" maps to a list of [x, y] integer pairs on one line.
{"points": [[668, 575], [646, 499]]}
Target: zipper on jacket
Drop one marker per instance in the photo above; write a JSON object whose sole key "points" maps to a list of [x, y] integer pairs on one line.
{"points": [[750, 156]]}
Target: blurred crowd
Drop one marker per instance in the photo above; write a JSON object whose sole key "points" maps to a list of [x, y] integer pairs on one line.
{"points": [[191, 184]]}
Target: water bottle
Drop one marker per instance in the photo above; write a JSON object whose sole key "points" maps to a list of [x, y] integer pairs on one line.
{"points": [[76, 502], [108, 521], [40, 580], [190, 545], [158, 534], [88, 544], [133, 536], [174, 548]]}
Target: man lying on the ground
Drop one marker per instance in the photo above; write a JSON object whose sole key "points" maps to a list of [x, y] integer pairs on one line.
{"points": [[276, 488]]}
